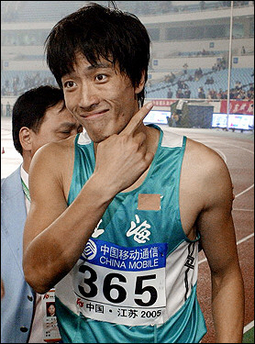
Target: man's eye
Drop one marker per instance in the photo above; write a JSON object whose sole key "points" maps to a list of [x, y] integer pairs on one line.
{"points": [[100, 77], [69, 84]]}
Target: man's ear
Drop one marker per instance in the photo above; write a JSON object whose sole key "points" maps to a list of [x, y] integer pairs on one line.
{"points": [[25, 138], [141, 85]]}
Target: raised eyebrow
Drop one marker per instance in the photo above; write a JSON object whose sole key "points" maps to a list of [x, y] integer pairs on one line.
{"points": [[99, 65], [90, 68]]}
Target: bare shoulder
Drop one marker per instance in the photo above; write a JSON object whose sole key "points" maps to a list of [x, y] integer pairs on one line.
{"points": [[204, 159], [55, 150], [206, 172], [54, 163], [202, 154]]}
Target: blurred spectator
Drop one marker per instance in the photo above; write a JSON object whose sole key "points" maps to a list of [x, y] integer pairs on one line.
{"points": [[221, 64], [202, 5], [185, 68], [250, 93], [182, 85], [179, 93], [7, 84], [198, 74], [238, 85], [209, 81], [169, 93], [222, 94], [8, 109], [172, 77], [211, 94], [201, 93], [187, 93], [169, 78], [3, 91]]}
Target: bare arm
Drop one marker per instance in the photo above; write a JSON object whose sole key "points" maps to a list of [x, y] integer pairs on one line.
{"points": [[55, 235], [219, 243]]}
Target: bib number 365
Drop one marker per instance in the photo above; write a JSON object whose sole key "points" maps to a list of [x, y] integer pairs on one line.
{"points": [[113, 287], [124, 297]]}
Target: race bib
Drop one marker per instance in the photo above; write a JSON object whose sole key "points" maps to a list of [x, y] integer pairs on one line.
{"points": [[121, 285]]}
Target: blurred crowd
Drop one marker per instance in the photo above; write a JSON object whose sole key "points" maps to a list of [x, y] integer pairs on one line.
{"points": [[15, 86]]}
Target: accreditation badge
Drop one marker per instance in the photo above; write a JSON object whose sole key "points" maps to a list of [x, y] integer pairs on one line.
{"points": [[121, 285], [50, 326]]}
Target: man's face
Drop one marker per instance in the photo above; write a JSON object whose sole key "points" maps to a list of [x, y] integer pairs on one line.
{"points": [[101, 98], [57, 125]]}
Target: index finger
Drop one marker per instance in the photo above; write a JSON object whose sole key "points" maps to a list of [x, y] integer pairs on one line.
{"points": [[137, 119]]}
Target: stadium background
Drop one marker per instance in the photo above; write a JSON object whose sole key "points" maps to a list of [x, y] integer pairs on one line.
{"points": [[195, 67]]}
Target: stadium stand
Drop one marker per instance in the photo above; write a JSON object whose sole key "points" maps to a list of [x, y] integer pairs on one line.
{"points": [[26, 24], [244, 75], [34, 11]]}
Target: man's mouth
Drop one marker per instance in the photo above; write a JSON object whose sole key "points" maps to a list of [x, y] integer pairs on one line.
{"points": [[94, 115]]}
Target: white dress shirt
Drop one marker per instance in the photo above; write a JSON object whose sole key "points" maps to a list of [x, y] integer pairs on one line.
{"points": [[36, 334]]}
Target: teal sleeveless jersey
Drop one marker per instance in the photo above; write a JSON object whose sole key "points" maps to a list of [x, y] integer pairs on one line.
{"points": [[136, 279]]}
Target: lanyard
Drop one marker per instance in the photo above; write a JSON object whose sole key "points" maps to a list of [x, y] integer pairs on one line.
{"points": [[26, 191]]}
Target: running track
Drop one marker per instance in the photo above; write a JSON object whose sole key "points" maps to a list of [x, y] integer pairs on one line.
{"points": [[237, 150]]}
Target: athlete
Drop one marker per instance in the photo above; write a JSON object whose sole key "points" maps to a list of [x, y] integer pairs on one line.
{"points": [[126, 208]]}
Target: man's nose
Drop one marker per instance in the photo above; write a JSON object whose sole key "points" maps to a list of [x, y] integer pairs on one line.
{"points": [[88, 96]]}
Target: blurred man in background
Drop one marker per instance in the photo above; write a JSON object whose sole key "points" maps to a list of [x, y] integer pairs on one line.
{"points": [[39, 116]]}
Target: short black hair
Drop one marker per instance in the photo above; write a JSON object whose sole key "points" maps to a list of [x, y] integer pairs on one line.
{"points": [[30, 108], [100, 32]]}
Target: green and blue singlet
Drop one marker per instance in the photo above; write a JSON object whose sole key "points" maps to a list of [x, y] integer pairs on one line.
{"points": [[136, 279]]}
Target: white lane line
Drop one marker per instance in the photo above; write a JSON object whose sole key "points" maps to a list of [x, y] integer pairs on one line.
{"points": [[245, 239], [236, 209], [246, 190], [245, 149]]}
